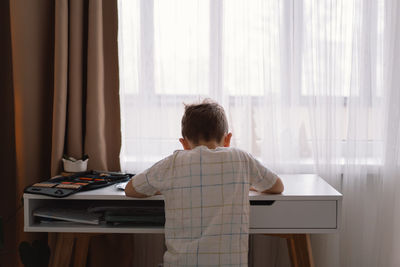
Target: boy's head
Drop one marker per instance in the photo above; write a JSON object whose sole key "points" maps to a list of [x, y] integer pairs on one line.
{"points": [[204, 124]]}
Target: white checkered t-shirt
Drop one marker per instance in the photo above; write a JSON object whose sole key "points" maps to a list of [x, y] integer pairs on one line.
{"points": [[207, 207]]}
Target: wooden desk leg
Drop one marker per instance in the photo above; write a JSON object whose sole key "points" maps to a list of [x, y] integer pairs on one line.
{"points": [[81, 250], [61, 255], [300, 252], [64, 245], [299, 247]]}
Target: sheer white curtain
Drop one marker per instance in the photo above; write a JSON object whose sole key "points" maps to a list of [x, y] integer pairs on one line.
{"points": [[309, 86]]}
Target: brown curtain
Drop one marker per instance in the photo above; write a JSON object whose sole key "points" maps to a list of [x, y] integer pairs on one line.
{"points": [[26, 99], [86, 101], [8, 203], [59, 94], [86, 92]]}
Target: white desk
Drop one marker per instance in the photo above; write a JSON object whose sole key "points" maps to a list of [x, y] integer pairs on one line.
{"points": [[308, 205]]}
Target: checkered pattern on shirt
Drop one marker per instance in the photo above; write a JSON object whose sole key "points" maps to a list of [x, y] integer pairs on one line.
{"points": [[206, 203]]}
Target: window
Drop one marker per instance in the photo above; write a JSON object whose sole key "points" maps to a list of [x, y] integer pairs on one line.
{"points": [[181, 61], [252, 47], [284, 71]]}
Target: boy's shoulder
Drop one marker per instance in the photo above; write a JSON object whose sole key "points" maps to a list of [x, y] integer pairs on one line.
{"points": [[203, 150]]}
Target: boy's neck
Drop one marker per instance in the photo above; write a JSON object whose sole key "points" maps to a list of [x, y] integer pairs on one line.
{"points": [[210, 144]]}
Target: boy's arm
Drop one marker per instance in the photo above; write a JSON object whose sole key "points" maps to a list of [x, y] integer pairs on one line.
{"points": [[262, 179], [131, 192], [151, 181], [277, 188]]}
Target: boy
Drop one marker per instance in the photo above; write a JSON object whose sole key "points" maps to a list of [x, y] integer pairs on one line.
{"points": [[206, 190]]}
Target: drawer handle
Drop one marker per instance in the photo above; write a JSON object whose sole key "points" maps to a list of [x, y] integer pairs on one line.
{"points": [[261, 202]]}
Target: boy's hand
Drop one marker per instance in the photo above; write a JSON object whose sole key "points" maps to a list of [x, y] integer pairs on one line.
{"points": [[131, 192], [277, 188], [253, 189]]}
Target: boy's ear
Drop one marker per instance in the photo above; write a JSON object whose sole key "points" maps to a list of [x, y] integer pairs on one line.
{"points": [[185, 144], [227, 140]]}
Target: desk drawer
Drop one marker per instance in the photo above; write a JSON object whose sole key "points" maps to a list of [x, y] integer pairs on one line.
{"points": [[286, 214]]}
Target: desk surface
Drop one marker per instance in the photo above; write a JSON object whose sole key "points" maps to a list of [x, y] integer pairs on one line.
{"points": [[297, 187]]}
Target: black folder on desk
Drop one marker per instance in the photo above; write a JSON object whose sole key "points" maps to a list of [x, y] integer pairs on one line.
{"points": [[132, 219], [132, 215]]}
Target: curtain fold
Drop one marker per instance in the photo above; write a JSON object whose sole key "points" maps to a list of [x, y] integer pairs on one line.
{"points": [[60, 84], [102, 128]]}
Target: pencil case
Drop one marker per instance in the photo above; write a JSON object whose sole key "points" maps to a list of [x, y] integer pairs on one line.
{"points": [[63, 186]]}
